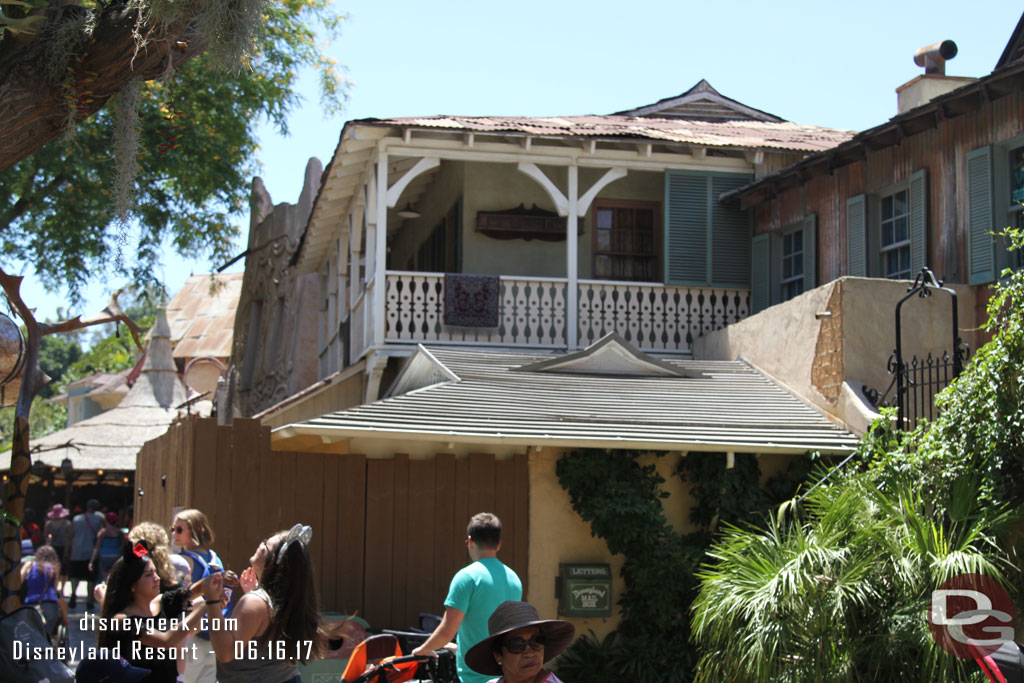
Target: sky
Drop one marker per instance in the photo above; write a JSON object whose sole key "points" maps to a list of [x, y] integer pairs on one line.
{"points": [[825, 63]]}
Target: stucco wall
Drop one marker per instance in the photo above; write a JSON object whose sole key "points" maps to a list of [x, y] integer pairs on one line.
{"points": [[826, 361]]}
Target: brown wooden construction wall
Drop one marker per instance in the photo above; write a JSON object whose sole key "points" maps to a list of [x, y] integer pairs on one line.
{"points": [[388, 534]]}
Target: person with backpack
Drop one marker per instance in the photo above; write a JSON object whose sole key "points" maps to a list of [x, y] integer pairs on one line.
{"points": [[84, 528], [39, 577], [191, 532]]}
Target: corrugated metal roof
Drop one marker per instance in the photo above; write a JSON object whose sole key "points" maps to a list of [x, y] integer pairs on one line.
{"points": [[731, 407], [742, 134], [202, 315]]}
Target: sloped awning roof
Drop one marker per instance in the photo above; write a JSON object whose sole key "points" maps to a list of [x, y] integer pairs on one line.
{"points": [[476, 396]]}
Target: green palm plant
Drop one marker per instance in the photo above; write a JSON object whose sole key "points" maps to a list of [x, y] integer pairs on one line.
{"points": [[838, 587]]}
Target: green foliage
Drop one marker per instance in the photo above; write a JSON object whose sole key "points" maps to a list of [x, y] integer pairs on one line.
{"points": [[110, 354], [621, 499], [197, 152], [836, 589], [57, 352], [44, 418]]}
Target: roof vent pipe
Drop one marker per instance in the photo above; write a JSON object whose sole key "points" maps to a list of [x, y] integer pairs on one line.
{"points": [[933, 57]]}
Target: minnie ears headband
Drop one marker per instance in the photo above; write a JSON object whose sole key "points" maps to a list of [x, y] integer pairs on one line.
{"points": [[300, 533], [136, 552]]}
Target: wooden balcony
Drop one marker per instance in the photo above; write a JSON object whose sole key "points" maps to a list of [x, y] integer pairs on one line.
{"points": [[651, 316]]}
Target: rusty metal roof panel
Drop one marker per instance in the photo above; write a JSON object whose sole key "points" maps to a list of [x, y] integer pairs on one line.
{"points": [[201, 315], [738, 133]]}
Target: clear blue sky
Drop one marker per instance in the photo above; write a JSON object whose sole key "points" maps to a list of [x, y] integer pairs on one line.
{"points": [[826, 63]]}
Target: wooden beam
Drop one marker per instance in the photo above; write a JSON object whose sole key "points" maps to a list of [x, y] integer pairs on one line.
{"points": [[610, 176], [699, 153], [422, 166], [560, 200]]}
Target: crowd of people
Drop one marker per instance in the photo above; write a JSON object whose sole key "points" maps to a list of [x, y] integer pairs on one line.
{"points": [[182, 616]]}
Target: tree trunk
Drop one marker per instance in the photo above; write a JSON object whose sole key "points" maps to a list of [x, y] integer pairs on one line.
{"points": [[35, 112], [17, 489]]}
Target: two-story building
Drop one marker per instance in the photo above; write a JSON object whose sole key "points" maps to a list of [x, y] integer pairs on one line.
{"points": [[455, 302]]}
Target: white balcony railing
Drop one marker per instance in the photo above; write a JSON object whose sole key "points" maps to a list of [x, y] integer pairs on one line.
{"points": [[653, 317]]}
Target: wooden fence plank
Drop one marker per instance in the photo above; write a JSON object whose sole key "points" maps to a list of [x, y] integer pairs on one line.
{"points": [[350, 548], [504, 507], [481, 483], [327, 570], [458, 557], [521, 521], [222, 512], [400, 543], [447, 533], [204, 469], [377, 580], [422, 538]]}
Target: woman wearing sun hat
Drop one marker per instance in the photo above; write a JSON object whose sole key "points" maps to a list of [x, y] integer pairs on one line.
{"points": [[519, 644]]}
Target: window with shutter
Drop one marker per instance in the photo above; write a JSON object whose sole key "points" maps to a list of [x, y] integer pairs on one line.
{"points": [[856, 236], [783, 264], [980, 247], [705, 243]]}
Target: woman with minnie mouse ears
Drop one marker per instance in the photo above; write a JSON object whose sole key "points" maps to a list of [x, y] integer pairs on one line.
{"points": [[133, 595], [277, 619]]}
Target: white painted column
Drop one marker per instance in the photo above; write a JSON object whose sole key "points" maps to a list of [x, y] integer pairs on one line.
{"points": [[572, 260], [381, 247]]}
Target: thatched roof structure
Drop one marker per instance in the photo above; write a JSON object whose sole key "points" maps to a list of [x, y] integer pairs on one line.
{"points": [[111, 440]]}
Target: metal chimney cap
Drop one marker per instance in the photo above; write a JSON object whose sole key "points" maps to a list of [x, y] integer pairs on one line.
{"points": [[933, 57]]}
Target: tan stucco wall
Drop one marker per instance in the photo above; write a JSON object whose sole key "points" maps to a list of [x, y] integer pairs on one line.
{"points": [[557, 534], [827, 361]]}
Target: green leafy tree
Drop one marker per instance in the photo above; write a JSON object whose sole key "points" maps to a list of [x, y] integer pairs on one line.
{"points": [[191, 152], [837, 588], [56, 356], [46, 418]]}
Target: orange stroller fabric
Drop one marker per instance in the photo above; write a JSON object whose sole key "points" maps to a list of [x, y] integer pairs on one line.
{"points": [[377, 650]]}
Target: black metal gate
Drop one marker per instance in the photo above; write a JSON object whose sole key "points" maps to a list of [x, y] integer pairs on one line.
{"points": [[917, 380]]}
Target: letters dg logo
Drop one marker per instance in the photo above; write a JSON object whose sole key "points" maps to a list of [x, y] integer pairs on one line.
{"points": [[971, 613]]}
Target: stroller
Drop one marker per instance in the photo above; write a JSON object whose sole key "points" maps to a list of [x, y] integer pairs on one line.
{"points": [[379, 659], [19, 631]]}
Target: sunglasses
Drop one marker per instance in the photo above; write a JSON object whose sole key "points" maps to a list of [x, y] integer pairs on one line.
{"points": [[517, 646], [177, 529]]}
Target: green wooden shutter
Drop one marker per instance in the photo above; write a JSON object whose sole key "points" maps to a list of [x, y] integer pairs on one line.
{"points": [[760, 273], [686, 228], [981, 251], [730, 235], [810, 253], [918, 222], [856, 236]]}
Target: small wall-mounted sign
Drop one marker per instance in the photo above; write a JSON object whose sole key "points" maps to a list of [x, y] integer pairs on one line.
{"points": [[585, 590]]}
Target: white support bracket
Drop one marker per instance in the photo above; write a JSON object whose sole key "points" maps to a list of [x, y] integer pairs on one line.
{"points": [[532, 170], [755, 157], [422, 166], [610, 176]]}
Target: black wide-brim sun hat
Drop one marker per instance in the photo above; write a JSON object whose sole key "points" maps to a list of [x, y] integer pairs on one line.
{"points": [[511, 616]]}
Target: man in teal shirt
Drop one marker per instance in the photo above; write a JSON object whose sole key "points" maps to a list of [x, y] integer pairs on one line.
{"points": [[475, 592]]}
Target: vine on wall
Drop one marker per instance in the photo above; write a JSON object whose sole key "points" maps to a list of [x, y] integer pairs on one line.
{"points": [[621, 499]]}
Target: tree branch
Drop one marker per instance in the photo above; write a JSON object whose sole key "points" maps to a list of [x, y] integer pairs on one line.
{"points": [[35, 112]]}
